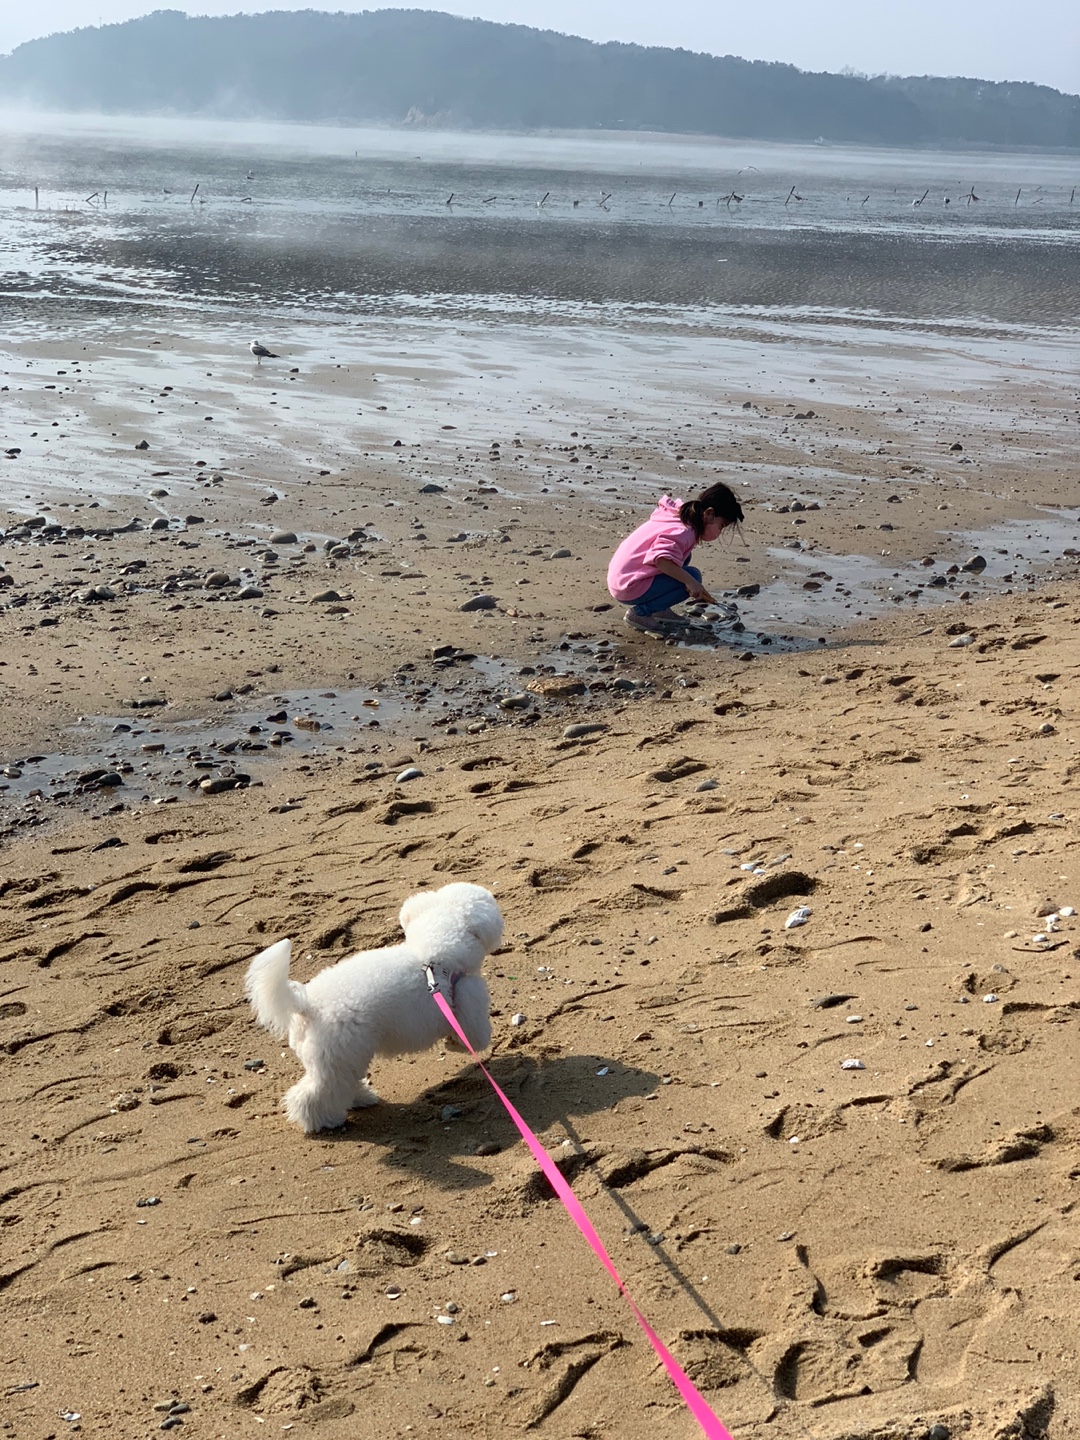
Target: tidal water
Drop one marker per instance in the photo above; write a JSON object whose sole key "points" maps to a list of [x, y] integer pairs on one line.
{"points": [[181, 213]]}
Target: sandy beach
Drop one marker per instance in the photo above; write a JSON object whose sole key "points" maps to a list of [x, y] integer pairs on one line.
{"points": [[231, 614]]}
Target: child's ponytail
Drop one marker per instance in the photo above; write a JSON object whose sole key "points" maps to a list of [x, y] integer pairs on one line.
{"points": [[717, 498], [692, 513]]}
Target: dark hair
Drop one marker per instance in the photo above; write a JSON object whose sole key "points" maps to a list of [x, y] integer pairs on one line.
{"points": [[717, 498]]}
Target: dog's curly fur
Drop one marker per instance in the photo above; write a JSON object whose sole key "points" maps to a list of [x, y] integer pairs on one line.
{"points": [[378, 1002]]}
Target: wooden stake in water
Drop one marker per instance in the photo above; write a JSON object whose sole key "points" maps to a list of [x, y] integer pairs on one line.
{"points": [[36, 198], [194, 192]]}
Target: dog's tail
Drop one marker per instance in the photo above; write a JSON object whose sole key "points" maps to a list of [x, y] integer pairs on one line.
{"points": [[275, 998]]}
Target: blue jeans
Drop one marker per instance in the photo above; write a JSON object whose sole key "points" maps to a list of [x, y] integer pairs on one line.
{"points": [[663, 591]]}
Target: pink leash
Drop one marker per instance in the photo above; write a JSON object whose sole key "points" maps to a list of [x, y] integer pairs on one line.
{"points": [[710, 1425]]}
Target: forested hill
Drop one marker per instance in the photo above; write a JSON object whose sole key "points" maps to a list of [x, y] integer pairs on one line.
{"points": [[421, 67]]}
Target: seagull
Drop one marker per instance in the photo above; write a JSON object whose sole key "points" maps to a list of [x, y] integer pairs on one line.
{"points": [[261, 352]]}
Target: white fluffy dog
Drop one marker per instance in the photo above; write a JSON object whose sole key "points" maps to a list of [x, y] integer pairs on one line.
{"points": [[378, 1002]]}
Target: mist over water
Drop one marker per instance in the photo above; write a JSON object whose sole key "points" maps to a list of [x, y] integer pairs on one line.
{"points": [[287, 216]]}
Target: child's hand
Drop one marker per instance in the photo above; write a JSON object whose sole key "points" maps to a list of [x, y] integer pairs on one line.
{"points": [[697, 591]]}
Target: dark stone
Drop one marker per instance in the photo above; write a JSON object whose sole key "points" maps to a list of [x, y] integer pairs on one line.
{"points": [[217, 784], [574, 732]]}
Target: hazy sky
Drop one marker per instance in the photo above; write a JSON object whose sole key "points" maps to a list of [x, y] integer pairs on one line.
{"points": [[993, 39]]}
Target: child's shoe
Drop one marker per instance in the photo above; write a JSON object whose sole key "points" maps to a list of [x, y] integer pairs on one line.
{"points": [[652, 624]]}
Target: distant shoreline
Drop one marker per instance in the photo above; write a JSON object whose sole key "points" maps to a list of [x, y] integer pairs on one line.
{"points": [[17, 117]]}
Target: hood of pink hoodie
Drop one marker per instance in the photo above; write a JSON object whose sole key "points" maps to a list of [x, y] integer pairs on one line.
{"points": [[667, 510]]}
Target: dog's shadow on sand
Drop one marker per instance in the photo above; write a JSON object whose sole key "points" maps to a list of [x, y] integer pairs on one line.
{"points": [[463, 1118]]}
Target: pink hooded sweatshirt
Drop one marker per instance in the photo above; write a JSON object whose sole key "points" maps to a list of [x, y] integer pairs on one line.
{"points": [[663, 536]]}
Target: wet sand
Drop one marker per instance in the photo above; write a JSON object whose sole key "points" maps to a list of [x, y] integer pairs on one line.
{"points": [[423, 463], [203, 728]]}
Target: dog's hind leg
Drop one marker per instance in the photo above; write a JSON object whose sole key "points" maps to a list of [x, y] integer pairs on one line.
{"points": [[322, 1099], [309, 1107], [364, 1096], [361, 1094]]}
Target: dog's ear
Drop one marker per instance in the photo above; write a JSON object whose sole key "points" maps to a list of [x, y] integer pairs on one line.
{"points": [[416, 905], [487, 924]]}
